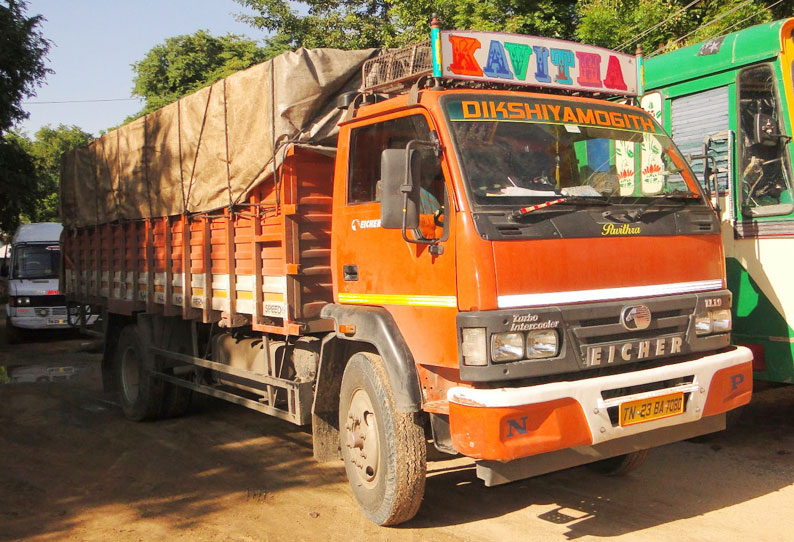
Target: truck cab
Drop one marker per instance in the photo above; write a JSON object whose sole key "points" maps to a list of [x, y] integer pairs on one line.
{"points": [[34, 297]]}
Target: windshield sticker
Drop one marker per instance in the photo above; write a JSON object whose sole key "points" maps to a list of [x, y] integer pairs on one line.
{"points": [[548, 112], [623, 229]]}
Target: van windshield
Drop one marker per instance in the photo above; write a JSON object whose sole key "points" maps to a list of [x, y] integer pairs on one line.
{"points": [[522, 151], [35, 261]]}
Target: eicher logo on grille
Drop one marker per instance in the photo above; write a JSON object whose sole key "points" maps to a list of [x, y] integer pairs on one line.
{"points": [[635, 317]]}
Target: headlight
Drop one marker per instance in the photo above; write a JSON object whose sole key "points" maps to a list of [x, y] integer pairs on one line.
{"points": [[708, 323], [542, 344], [507, 346], [20, 301], [474, 347], [703, 323], [721, 321]]}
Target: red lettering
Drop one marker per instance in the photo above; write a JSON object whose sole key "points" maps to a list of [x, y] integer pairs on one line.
{"points": [[614, 78], [463, 61], [589, 69]]}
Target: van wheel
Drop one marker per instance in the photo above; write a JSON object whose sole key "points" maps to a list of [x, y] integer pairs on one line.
{"points": [[621, 464], [140, 394], [384, 450]]}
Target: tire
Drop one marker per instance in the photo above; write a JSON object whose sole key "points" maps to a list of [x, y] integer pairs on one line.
{"points": [[140, 394], [389, 481], [176, 400], [621, 464]]}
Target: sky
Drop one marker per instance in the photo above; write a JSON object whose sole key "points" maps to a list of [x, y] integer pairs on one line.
{"points": [[94, 44]]}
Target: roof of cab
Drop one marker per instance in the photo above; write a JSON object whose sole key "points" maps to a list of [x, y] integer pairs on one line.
{"points": [[754, 44], [40, 232]]}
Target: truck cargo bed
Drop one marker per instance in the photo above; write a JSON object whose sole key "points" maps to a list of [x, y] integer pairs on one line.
{"points": [[276, 277]]}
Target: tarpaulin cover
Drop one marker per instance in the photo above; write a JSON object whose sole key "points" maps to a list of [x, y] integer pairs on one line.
{"points": [[209, 149]]}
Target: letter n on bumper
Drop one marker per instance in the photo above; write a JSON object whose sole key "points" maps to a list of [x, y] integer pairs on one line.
{"points": [[513, 432]]}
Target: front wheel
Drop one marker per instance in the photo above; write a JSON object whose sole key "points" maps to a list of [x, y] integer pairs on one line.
{"points": [[621, 464], [384, 450]]}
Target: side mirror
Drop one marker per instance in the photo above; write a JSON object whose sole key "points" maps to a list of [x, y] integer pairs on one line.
{"points": [[397, 176], [766, 130]]}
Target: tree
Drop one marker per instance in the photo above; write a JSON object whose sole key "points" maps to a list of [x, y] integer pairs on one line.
{"points": [[22, 70], [22, 53], [184, 64], [17, 183], [46, 151], [381, 23], [624, 25]]}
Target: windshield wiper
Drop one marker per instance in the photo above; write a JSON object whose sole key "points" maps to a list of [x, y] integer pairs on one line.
{"points": [[570, 200], [636, 214]]}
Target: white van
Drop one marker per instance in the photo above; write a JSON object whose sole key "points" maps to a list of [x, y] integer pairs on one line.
{"points": [[34, 297]]}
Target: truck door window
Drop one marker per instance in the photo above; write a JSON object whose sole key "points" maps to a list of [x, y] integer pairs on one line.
{"points": [[764, 169], [366, 145]]}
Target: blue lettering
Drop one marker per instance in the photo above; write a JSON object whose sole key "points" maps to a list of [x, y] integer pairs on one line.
{"points": [[736, 381], [520, 427], [497, 62], [542, 61]]}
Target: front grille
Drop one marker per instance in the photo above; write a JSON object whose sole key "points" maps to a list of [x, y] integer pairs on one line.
{"points": [[47, 301]]}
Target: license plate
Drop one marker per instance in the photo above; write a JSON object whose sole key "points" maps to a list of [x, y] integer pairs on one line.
{"points": [[54, 321], [654, 408]]}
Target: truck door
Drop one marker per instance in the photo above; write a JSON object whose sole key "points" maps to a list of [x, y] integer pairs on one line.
{"points": [[376, 266]]}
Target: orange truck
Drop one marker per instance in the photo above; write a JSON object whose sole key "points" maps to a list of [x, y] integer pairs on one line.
{"points": [[469, 246]]}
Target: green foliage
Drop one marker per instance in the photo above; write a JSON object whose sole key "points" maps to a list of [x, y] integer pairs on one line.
{"points": [[380, 23], [17, 183], [618, 24], [22, 52], [46, 150], [184, 64]]}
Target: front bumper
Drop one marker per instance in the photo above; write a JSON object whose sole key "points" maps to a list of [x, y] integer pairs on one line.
{"points": [[40, 322], [509, 423]]}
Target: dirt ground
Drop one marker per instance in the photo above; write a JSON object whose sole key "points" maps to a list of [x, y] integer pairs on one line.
{"points": [[74, 469]]}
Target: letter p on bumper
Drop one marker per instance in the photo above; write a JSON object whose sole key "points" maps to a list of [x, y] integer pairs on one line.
{"points": [[730, 388]]}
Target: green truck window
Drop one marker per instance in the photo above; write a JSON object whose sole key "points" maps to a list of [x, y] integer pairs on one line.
{"points": [[765, 170]]}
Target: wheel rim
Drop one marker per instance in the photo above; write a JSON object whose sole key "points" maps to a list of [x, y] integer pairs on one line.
{"points": [[130, 374], [361, 438]]}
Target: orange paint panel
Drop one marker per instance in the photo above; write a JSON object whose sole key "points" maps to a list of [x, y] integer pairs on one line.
{"points": [[730, 388], [524, 267], [515, 432]]}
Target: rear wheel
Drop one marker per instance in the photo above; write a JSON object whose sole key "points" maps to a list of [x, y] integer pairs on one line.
{"points": [[176, 400], [621, 464], [384, 450], [140, 394]]}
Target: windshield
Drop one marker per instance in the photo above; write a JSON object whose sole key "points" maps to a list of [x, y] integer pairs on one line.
{"points": [[35, 261], [518, 151]]}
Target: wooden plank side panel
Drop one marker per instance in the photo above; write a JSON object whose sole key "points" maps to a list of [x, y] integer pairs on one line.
{"points": [[315, 189]]}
